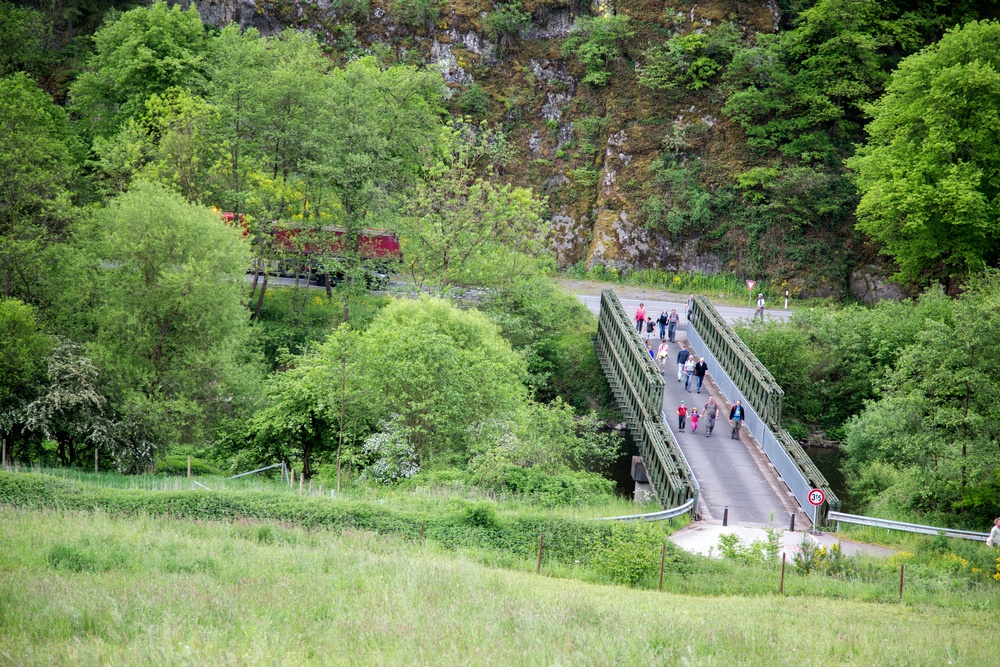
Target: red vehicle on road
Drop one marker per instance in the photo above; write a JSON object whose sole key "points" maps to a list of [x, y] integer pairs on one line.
{"points": [[309, 250]]}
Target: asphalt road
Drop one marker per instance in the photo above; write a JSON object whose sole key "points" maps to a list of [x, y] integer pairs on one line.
{"points": [[730, 313]]}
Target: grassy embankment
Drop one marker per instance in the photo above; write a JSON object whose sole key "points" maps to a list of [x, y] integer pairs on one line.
{"points": [[90, 588]]}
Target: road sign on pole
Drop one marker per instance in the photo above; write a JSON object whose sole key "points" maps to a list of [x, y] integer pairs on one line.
{"points": [[750, 284], [816, 497]]}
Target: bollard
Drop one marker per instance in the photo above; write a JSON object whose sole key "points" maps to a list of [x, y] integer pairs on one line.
{"points": [[791, 526], [541, 539], [663, 559], [725, 517], [781, 586], [901, 582]]}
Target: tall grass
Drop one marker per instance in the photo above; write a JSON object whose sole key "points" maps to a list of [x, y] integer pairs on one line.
{"points": [[88, 589]]}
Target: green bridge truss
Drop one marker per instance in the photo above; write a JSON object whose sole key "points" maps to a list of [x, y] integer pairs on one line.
{"points": [[638, 388]]}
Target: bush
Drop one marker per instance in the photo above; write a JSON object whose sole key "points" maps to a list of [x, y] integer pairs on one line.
{"points": [[474, 100], [176, 464], [629, 553], [466, 526], [416, 13]]}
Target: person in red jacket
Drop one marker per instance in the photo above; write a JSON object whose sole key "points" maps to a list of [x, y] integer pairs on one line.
{"points": [[681, 416]]}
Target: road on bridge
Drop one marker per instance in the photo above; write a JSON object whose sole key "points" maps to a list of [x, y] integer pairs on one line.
{"points": [[732, 473]]}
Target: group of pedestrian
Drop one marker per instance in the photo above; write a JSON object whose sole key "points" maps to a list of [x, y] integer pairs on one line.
{"points": [[666, 322], [690, 369]]}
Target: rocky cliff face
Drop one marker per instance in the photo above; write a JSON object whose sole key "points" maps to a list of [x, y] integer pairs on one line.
{"points": [[589, 150]]}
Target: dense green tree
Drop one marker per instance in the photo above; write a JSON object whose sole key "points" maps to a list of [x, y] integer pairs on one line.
{"points": [[935, 423], [930, 172], [25, 34], [139, 53], [37, 167], [155, 289], [442, 369], [23, 349], [461, 228]]}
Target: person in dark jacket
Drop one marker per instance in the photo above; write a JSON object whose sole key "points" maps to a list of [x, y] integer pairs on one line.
{"points": [[736, 417], [682, 357], [662, 321], [700, 369]]}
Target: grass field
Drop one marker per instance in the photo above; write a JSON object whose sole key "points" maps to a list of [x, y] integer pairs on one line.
{"points": [[87, 589]]}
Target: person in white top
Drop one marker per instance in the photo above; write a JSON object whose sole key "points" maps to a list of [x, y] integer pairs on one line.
{"points": [[689, 372], [994, 539], [760, 307]]}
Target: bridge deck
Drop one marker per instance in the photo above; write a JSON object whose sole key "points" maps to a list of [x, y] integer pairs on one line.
{"points": [[730, 473]]}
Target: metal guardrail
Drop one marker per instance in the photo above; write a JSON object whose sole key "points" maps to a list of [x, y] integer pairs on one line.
{"points": [[672, 513], [873, 522], [638, 388], [740, 376]]}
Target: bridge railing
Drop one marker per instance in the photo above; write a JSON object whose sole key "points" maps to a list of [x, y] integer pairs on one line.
{"points": [[740, 376], [638, 387]]}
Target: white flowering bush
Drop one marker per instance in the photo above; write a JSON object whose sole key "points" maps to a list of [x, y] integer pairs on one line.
{"points": [[393, 456]]}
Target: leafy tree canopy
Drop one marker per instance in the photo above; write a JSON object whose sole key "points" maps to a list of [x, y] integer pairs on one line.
{"points": [[139, 53], [930, 173]]}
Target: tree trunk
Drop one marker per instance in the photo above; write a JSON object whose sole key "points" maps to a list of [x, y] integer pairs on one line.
{"points": [[260, 299]]}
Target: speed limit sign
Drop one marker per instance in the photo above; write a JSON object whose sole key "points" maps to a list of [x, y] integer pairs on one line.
{"points": [[816, 497]]}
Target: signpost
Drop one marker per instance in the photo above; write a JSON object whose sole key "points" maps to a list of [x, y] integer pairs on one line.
{"points": [[750, 284], [816, 497]]}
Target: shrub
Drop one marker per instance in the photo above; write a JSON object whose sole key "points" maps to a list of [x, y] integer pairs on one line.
{"points": [[597, 41], [416, 13], [628, 553], [474, 100]]}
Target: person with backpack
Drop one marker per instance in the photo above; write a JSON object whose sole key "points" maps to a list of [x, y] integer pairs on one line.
{"points": [[682, 358], [689, 372], [662, 321], [700, 369], [710, 412], [640, 317], [681, 416], [672, 320], [736, 417]]}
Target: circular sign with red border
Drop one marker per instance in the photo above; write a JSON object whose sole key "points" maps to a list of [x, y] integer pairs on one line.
{"points": [[816, 497]]}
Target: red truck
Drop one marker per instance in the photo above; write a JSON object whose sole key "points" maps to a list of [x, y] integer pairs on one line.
{"points": [[379, 249]]}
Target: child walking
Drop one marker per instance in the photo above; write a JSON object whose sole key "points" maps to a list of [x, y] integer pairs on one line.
{"points": [[681, 416], [694, 419]]}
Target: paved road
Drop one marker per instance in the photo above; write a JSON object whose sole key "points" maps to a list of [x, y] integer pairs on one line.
{"points": [[654, 307]]}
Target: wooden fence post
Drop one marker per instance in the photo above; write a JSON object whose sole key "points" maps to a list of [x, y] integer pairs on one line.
{"points": [[663, 560], [301, 476], [781, 586], [95, 459], [541, 539], [901, 566], [189, 466]]}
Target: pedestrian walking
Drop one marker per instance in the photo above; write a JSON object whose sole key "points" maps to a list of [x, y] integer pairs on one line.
{"points": [[690, 305], [661, 356], [760, 307], [640, 317], [682, 358], [689, 372], [662, 321], [711, 413], [672, 320], [736, 417], [649, 328], [700, 369], [694, 419], [681, 416], [649, 348], [994, 539]]}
